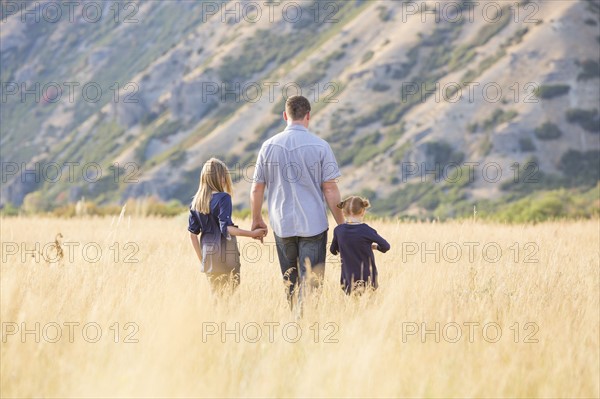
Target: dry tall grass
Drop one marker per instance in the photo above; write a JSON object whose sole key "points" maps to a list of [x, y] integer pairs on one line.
{"points": [[167, 297]]}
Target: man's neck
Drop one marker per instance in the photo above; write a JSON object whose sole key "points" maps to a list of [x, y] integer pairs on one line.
{"points": [[298, 123]]}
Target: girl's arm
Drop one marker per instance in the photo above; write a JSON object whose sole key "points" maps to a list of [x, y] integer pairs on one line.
{"points": [[334, 249], [194, 228], [196, 245], [227, 227], [382, 244], [236, 231]]}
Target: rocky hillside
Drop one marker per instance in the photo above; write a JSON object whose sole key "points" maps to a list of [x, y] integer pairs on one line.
{"points": [[430, 111]]}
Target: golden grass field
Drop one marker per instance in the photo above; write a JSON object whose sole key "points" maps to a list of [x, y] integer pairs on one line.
{"points": [[366, 347]]}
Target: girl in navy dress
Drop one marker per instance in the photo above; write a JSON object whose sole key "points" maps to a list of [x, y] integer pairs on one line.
{"points": [[210, 216], [355, 241]]}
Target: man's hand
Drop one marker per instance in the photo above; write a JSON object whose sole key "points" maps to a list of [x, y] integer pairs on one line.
{"points": [[259, 226], [374, 246]]}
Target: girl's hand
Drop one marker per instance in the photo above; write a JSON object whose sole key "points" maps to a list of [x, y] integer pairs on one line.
{"points": [[258, 233], [374, 246]]}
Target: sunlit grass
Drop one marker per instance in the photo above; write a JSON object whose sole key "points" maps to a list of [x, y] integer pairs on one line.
{"points": [[364, 347]]}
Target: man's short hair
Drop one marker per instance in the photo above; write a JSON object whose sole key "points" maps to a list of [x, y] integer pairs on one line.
{"points": [[296, 107]]}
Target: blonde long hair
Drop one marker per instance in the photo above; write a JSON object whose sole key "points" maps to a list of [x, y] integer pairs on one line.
{"points": [[214, 177]]}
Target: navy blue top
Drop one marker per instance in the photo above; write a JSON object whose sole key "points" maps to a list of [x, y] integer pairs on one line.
{"points": [[214, 233], [353, 242]]}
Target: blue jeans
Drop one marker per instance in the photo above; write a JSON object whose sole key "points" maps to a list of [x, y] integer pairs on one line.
{"points": [[294, 253]]}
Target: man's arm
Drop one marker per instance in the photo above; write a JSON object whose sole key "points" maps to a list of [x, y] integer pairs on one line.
{"points": [[332, 197], [257, 193]]}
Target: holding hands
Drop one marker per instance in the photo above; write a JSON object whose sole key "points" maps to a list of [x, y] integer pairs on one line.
{"points": [[258, 233], [259, 229]]}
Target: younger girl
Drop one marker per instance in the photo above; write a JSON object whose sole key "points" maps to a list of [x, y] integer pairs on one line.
{"points": [[210, 214], [355, 241]]}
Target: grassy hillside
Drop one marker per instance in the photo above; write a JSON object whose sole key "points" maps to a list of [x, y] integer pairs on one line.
{"points": [[406, 97]]}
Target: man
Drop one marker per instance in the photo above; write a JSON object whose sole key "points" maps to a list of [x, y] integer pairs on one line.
{"points": [[300, 172]]}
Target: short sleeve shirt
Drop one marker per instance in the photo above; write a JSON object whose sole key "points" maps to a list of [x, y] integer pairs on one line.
{"points": [[294, 164]]}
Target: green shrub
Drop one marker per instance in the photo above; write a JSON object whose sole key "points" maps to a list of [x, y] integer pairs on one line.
{"points": [[367, 56], [393, 136], [258, 51], [517, 37], [148, 118], [392, 115], [402, 198], [498, 117], [406, 67], [369, 194], [384, 14], [168, 209], [311, 77], [376, 115], [526, 144], [587, 119], [529, 179], [551, 91], [379, 87], [486, 145], [252, 146], [443, 153], [427, 195], [319, 70], [35, 202], [269, 128], [178, 159], [491, 29], [103, 185], [548, 207], [8, 209], [548, 131], [430, 201], [400, 152], [267, 47], [581, 168], [279, 106], [167, 129], [337, 55], [365, 154], [248, 159], [361, 151], [590, 70], [484, 65], [139, 153], [340, 133]]}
